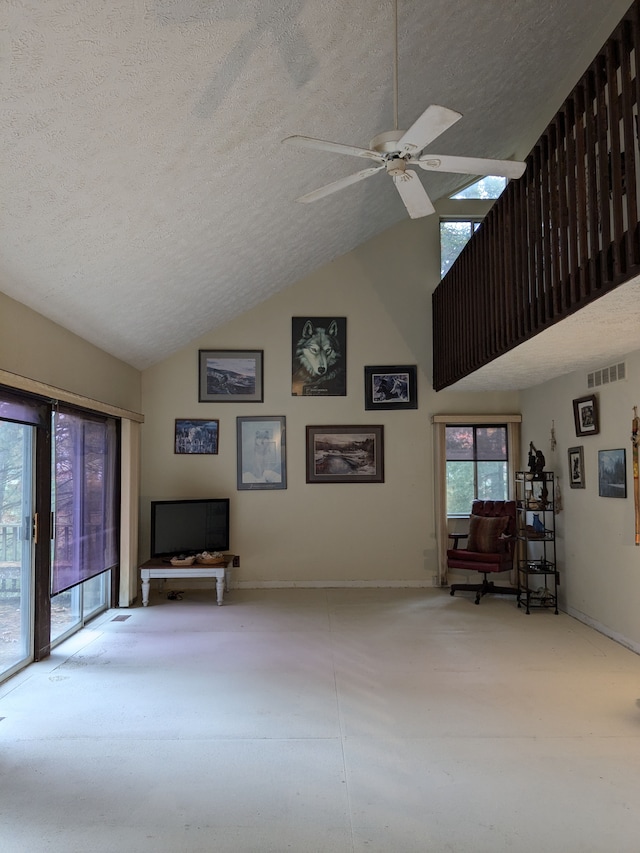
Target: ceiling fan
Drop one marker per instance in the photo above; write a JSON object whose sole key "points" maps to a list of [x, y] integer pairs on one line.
{"points": [[398, 152]]}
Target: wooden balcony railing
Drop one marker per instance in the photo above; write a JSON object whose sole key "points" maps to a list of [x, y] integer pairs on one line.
{"points": [[561, 236]]}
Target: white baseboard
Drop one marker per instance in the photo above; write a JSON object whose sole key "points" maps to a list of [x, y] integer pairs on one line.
{"points": [[381, 584], [603, 629]]}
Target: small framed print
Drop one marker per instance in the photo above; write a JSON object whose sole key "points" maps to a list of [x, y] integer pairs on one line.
{"points": [[261, 453], [230, 376], [196, 436], [576, 467], [585, 413], [612, 473], [345, 454], [391, 387]]}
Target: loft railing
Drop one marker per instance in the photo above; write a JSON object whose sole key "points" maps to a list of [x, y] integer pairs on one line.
{"points": [[561, 236]]}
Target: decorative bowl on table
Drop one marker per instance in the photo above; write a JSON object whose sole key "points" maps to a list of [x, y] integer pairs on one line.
{"points": [[182, 561], [211, 558]]}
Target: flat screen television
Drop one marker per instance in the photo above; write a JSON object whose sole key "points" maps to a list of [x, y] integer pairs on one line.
{"points": [[189, 526]]}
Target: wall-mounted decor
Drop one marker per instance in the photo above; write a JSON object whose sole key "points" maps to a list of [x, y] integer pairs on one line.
{"points": [[576, 467], [585, 413], [391, 387], [262, 452], [345, 454], [196, 435], [318, 356], [612, 473], [230, 376]]}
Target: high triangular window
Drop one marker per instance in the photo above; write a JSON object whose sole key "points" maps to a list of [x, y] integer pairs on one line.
{"points": [[489, 187]]}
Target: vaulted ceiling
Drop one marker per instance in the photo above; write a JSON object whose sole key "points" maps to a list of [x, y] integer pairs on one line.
{"points": [[146, 195]]}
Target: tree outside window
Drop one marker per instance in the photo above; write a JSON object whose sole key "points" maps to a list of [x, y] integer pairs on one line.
{"points": [[456, 233], [454, 236], [477, 465]]}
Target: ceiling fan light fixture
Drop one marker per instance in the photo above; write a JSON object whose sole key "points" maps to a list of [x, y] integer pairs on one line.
{"points": [[396, 167]]}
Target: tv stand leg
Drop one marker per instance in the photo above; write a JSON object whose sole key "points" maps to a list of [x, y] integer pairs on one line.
{"points": [[145, 591], [220, 589]]}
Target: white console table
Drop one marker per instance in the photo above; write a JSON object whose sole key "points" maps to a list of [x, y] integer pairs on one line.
{"points": [[160, 569]]}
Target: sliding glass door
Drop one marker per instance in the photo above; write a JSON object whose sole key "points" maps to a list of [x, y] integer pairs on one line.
{"points": [[17, 443], [59, 532]]}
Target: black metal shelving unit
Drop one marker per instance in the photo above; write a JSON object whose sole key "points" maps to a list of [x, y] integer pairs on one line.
{"points": [[538, 575]]}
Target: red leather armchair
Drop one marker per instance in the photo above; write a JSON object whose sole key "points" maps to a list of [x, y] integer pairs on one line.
{"points": [[490, 547]]}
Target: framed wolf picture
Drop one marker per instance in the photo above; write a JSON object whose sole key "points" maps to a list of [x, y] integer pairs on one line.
{"points": [[319, 357]]}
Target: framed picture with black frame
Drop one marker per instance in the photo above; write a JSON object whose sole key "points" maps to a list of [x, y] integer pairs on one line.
{"points": [[585, 413], [612, 473], [196, 435], [394, 387], [576, 467], [318, 356]]}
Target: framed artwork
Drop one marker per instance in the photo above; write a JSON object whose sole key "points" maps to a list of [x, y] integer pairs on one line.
{"points": [[585, 413], [345, 454], [230, 376], [196, 436], [391, 387], [576, 467], [612, 473], [262, 452], [318, 357]]}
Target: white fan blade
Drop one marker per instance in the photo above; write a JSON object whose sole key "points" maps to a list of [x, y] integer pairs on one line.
{"points": [[338, 185], [413, 195], [471, 165], [334, 147], [433, 121]]}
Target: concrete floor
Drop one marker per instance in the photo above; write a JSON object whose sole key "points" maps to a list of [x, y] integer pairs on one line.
{"points": [[324, 720]]}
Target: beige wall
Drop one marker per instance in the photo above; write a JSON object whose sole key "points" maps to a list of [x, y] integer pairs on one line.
{"points": [[34, 347], [321, 533], [599, 562], [35, 352]]}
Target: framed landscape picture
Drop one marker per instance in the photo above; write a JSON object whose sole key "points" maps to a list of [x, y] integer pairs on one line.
{"points": [[261, 452], [391, 387], [196, 436], [230, 376], [345, 454], [612, 473]]}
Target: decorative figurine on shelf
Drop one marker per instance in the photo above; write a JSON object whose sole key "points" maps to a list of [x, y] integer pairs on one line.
{"points": [[536, 460], [537, 525]]}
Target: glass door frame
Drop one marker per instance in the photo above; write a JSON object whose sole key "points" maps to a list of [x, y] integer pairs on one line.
{"points": [[18, 572], [42, 547]]}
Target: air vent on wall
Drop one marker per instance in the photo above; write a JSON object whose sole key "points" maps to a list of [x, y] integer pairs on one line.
{"points": [[606, 375]]}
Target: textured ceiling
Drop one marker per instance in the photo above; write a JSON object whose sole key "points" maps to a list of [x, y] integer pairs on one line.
{"points": [[146, 195], [597, 336]]}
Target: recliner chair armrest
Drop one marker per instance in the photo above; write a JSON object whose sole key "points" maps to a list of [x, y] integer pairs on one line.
{"points": [[457, 537]]}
